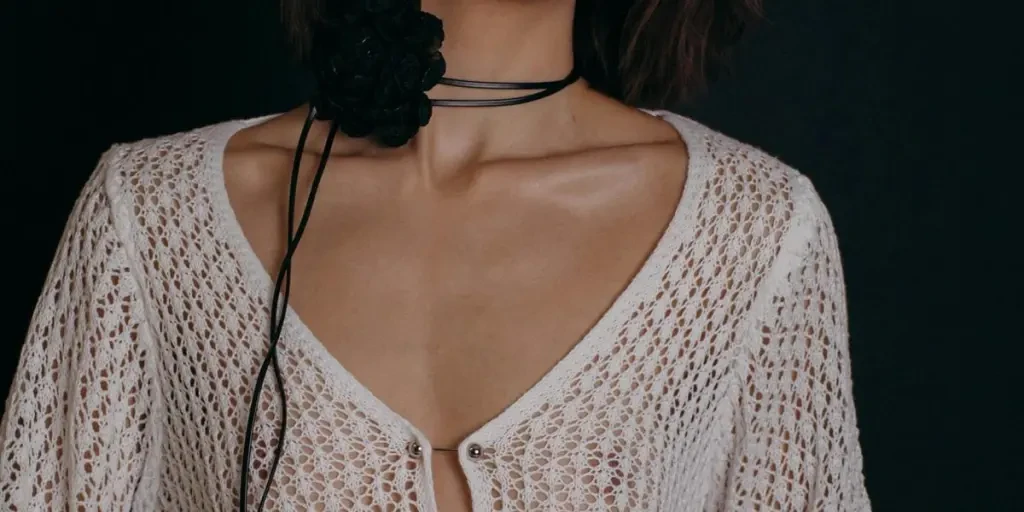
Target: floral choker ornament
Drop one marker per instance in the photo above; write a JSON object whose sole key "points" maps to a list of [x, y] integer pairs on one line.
{"points": [[373, 62]]}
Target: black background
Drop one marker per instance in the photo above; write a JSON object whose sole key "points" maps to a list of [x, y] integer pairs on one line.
{"points": [[898, 111]]}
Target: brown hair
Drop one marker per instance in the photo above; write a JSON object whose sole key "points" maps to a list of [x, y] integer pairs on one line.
{"points": [[645, 53]]}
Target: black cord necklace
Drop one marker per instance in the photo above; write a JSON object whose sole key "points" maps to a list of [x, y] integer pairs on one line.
{"points": [[403, 53]]}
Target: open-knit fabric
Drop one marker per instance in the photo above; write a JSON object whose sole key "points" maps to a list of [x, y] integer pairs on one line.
{"points": [[719, 379]]}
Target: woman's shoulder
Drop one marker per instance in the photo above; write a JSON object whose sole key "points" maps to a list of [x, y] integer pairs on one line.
{"points": [[744, 196], [739, 175], [169, 186], [161, 163], [174, 176]]}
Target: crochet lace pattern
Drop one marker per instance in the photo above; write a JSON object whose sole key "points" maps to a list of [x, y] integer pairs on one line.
{"points": [[718, 380]]}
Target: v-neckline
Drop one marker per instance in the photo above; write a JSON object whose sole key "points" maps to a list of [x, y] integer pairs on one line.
{"points": [[602, 334]]}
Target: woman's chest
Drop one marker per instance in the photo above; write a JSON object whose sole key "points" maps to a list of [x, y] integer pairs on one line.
{"points": [[565, 374], [449, 328], [603, 429], [448, 307], [570, 404], [564, 409]]}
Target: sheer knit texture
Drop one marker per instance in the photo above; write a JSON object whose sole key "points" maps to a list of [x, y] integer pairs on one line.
{"points": [[719, 379]]}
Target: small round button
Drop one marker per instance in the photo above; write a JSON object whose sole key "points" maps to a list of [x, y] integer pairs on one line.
{"points": [[415, 449], [474, 451]]}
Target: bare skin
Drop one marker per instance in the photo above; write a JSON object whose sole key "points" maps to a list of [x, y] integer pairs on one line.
{"points": [[449, 275]]}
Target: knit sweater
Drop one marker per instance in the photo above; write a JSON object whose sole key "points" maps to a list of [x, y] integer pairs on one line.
{"points": [[719, 379]]}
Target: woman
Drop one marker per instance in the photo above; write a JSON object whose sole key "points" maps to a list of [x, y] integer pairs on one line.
{"points": [[566, 303]]}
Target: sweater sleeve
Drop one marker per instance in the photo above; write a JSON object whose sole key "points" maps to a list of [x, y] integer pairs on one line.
{"points": [[796, 433], [74, 433]]}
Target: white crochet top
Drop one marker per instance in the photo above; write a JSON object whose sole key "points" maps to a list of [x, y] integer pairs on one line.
{"points": [[718, 380]]}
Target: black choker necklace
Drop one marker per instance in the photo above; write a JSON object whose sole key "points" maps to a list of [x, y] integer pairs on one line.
{"points": [[373, 62]]}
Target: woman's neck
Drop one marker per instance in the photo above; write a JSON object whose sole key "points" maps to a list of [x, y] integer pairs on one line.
{"points": [[504, 40], [498, 41]]}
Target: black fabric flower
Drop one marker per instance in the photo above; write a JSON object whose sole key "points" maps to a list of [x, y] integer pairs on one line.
{"points": [[373, 61]]}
